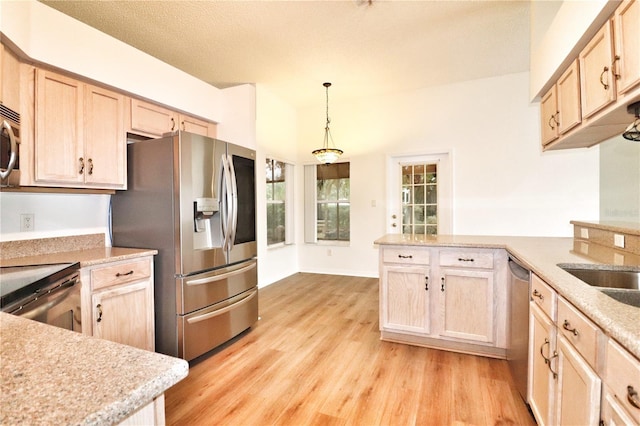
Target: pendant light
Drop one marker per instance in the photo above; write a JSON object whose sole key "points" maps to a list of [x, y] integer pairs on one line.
{"points": [[632, 132], [327, 154]]}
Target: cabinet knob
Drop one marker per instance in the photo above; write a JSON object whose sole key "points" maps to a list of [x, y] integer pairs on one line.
{"points": [[99, 307]]}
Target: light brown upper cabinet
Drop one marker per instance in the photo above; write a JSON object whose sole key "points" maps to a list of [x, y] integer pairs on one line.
{"points": [[79, 134], [569, 114], [10, 80], [560, 106], [627, 44], [597, 79], [152, 120], [549, 116]]}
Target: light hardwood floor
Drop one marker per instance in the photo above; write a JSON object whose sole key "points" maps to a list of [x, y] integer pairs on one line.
{"points": [[315, 357]]}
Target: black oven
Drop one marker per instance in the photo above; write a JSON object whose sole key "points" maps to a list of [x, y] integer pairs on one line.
{"points": [[44, 293], [9, 147]]}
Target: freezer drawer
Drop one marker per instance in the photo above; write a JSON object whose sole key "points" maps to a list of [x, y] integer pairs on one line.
{"points": [[202, 290], [203, 330]]}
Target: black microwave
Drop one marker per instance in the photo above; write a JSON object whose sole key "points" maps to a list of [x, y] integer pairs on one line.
{"points": [[9, 147]]}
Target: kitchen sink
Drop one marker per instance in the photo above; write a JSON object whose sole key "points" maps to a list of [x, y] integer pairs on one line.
{"points": [[628, 297], [607, 278]]}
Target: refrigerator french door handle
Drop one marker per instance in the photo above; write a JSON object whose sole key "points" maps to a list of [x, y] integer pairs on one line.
{"points": [[226, 208], [234, 203]]}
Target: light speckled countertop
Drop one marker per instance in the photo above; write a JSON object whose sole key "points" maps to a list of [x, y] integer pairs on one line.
{"points": [[542, 255], [54, 376], [86, 257]]}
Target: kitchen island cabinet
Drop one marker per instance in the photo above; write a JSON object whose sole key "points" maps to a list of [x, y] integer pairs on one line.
{"points": [[458, 310], [54, 376]]}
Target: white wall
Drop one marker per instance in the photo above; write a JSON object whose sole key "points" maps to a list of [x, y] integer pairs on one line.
{"points": [[276, 134], [503, 183], [56, 215]]}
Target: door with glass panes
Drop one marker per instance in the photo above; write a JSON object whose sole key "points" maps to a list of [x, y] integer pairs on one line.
{"points": [[419, 199]]}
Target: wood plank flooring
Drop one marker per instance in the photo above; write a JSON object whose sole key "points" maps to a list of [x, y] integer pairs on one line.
{"points": [[315, 358]]}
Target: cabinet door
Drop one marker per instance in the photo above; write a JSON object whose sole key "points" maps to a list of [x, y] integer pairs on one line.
{"points": [[152, 120], [104, 138], [569, 114], [404, 297], [195, 125], [58, 132], [578, 387], [597, 81], [124, 314], [541, 359], [612, 413], [467, 304], [549, 116], [9, 80], [627, 44]]}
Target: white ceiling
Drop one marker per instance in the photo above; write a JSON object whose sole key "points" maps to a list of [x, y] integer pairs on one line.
{"points": [[292, 47]]}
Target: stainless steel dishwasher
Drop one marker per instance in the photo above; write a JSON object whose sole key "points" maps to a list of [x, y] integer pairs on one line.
{"points": [[517, 352]]}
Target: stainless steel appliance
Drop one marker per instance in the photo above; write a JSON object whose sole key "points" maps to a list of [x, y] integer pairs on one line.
{"points": [[517, 352], [193, 199], [44, 293], [9, 147]]}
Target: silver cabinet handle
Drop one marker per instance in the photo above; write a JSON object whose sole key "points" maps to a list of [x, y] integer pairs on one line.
{"points": [[99, 307], [81, 164], [567, 326], [632, 397]]}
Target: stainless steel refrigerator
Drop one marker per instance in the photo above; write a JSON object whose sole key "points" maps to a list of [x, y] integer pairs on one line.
{"points": [[193, 199]]}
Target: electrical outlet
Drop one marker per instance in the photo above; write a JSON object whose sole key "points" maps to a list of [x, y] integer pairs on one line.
{"points": [[618, 240], [27, 222], [584, 233], [329, 253]]}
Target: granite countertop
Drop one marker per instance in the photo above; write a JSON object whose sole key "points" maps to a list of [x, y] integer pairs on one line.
{"points": [[54, 376], [542, 255], [86, 257]]}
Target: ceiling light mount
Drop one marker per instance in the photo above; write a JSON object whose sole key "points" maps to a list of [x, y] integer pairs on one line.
{"points": [[632, 132], [327, 154]]}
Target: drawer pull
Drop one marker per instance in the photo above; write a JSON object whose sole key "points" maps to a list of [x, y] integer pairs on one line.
{"points": [[537, 294], [401, 256], [125, 274], [632, 397], [567, 327], [461, 259]]}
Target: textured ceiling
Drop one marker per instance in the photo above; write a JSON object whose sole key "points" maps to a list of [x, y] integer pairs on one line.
{"points": [[292, 47]]}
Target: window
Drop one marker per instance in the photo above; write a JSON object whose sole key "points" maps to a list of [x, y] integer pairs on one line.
{"points": [[279, 175], [419, 199], [327, 206]]}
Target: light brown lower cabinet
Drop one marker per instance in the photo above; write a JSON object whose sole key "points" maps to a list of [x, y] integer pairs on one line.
{"points": [[118, 302], [150, 414], [448, 298]]}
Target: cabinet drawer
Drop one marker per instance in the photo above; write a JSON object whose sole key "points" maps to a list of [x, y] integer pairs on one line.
{"points": [[467, 259], [120, 273], [579, 330], [412, 256], [543, 296], [622, 375]]}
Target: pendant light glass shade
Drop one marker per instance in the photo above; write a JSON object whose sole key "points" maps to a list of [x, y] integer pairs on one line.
{"points": [[632, 132], [327, 154]]}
